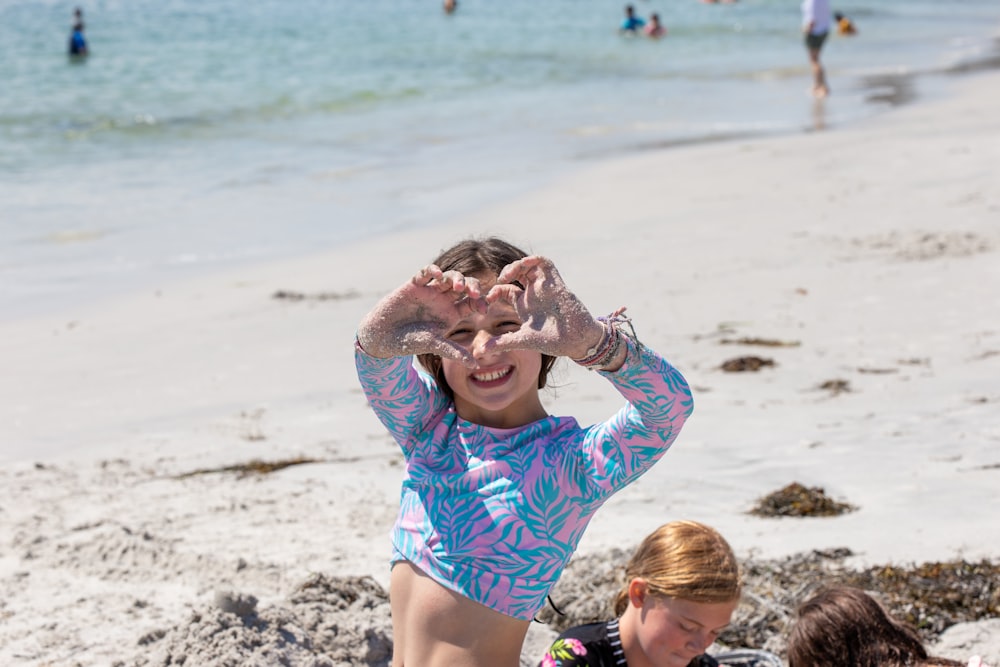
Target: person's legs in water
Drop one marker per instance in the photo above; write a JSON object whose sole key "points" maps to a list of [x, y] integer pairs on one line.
{"points": [[814, 43]]}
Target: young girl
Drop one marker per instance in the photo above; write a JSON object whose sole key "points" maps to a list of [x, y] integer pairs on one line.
{"points": [[497, 493], [842, 625], [682, 586]]}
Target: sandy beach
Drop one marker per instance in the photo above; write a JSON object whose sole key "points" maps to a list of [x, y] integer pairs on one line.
{"points": [[134, 524]]}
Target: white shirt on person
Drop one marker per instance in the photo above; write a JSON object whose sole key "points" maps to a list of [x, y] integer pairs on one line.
{"points": [[818, 13]]}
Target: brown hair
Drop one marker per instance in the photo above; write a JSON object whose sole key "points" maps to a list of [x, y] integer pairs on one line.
{"points": [[477, 257], [842, 625], [685, 560]]}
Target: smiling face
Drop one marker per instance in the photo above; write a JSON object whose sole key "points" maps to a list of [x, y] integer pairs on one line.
{"points": [[659, 631], [502, 390]]}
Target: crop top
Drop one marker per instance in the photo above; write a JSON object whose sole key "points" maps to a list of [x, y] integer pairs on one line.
{"points": [[495, 514]]}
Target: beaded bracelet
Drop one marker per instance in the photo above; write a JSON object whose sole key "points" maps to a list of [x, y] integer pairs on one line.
{"points": [[601, 354]]}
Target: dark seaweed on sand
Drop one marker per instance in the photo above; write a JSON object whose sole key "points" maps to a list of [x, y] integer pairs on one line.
{"points": [[933, 596], [799, 500], [291, 295], [746, 364], [254, 467]]}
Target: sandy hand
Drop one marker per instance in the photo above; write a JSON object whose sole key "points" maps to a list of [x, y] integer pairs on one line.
{"points": [[553, 320], [416, 317]]}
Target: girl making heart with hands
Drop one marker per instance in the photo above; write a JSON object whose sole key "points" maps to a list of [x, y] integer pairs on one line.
{"points": [[497, 493]]}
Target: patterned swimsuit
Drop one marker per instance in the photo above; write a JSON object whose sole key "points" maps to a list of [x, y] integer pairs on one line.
{"points": [[496, 514], [600, 645]]}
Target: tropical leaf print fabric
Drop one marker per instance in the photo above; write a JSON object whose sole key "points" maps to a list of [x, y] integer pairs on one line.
{"points": [[495, 514]]}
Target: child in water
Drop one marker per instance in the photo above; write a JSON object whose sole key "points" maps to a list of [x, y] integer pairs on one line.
{"points": [[632, 23], [845, 26], [497, 493], [654, 28]]}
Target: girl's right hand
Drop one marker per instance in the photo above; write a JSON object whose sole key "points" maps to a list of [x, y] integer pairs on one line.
{"points": [[417, 316]]}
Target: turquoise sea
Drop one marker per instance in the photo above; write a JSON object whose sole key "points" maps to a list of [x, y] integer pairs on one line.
{"points": [[200, 134]]}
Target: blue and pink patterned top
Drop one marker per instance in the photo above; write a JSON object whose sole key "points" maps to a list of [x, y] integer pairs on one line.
{"points": [[496, 514]]}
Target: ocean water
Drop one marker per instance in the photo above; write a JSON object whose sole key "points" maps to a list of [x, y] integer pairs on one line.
{"points": [[201, 134]]}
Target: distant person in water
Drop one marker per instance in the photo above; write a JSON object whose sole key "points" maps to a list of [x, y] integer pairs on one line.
{"points": [[450, 6], [845, 26], [654, 28], [816, 23], [632, 23], [77, 42]]}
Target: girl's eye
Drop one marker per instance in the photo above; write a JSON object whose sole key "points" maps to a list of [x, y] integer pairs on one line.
{"points": [[460, 333], [509, 326]]}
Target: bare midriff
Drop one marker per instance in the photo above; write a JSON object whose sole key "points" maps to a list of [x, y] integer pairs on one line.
{"points": [[433, 626]]}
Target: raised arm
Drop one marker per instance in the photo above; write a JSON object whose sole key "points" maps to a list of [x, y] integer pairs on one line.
{"points": [[619, 450], [415, 317]]}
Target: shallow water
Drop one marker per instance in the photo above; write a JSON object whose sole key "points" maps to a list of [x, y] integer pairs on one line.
{"points": [[198, 134]]}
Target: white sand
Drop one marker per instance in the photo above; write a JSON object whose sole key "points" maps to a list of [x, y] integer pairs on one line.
{"points": [[874, 247]]}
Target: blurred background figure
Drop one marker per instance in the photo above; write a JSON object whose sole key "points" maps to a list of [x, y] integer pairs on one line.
{"points": [[845, 26], [816, 22], [654, 28], [450, 6], [77, 42], [631, 24]]}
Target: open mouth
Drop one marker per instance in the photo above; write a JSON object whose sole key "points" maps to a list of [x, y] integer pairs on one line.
{"points": [[492, 377]]}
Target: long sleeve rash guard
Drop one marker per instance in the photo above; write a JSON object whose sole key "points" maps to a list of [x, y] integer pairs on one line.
{"points": [[496, 514]]}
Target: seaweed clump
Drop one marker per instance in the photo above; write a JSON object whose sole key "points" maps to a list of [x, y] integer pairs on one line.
{"points": [[773, 590], [799, 500], [745, 364], [934, 596], [931, 597], [290, 295], [835, 387], [253, 467]]}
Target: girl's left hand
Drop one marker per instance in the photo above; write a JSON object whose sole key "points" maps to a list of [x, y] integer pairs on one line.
{"points": [[553, 320]]}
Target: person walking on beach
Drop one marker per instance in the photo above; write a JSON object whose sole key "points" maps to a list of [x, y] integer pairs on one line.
{"points": [[497, 493], [682, 586], [816, 22]]}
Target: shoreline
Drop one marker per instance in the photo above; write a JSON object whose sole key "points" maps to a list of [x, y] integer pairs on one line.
{"points": [[887, 92], [879, 101]]}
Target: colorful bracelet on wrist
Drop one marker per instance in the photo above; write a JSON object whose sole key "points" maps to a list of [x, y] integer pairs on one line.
{"points": [[602, 347], [604, 352]]}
